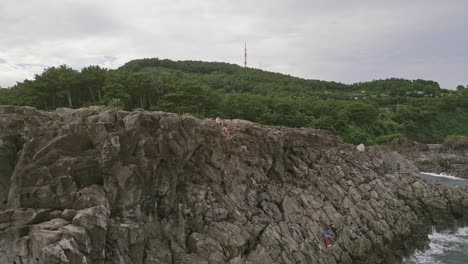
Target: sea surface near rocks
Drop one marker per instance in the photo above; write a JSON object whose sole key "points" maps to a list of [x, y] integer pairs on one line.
{"points": [[449, 247], [444, 248], [445, 179]]}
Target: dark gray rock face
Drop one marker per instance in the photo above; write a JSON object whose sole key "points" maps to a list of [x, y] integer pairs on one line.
{"points": [[107, 186]]}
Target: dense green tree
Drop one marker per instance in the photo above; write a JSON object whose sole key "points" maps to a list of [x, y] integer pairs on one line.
{"points": [[188, 97], [359, 113], [92, 78], [60, 84]]}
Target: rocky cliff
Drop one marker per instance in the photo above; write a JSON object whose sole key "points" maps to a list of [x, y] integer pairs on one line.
{"points": [[108, 186]]}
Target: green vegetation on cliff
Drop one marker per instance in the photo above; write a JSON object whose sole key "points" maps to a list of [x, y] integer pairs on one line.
{"points": [[361, 112]]}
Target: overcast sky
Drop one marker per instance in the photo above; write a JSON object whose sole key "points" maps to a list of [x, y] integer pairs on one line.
{"points": [[336, 40]]}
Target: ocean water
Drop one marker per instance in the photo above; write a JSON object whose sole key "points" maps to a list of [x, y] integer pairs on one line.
{"points": [[445, 247]]}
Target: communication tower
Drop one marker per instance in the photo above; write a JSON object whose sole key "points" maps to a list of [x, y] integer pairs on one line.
{"points": [[245, 55]]}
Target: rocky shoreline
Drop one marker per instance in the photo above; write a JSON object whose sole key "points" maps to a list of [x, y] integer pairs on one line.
{"points": [[98, 185], [450, 158]]}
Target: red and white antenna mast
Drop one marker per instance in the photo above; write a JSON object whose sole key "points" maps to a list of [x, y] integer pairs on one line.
{"points": [[245, 55]]}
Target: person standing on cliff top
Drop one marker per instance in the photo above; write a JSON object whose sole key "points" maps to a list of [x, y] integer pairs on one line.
{"points": [[219, 122], [226, 132]]}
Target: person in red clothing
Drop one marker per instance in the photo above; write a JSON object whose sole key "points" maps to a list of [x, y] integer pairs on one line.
{"points": [[326, 237]]}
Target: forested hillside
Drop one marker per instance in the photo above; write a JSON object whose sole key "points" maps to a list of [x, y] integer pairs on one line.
{"points": [[369, 112]]}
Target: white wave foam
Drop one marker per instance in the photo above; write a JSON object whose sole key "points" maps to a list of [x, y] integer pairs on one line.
{"points": [[462, 231], [444, 176], [440, 244]]}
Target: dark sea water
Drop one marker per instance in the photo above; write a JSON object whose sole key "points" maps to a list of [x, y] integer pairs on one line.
{"points": [[445, 247]]}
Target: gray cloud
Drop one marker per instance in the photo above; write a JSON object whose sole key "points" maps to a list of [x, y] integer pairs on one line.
{"points": [[30, 66], [345, 41]]}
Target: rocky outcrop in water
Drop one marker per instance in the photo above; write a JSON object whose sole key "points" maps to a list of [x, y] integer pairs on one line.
{"points": [[109, 186], [449, 158]]}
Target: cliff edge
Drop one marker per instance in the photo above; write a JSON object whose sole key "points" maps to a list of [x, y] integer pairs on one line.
{"points": [[108, 186]]}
